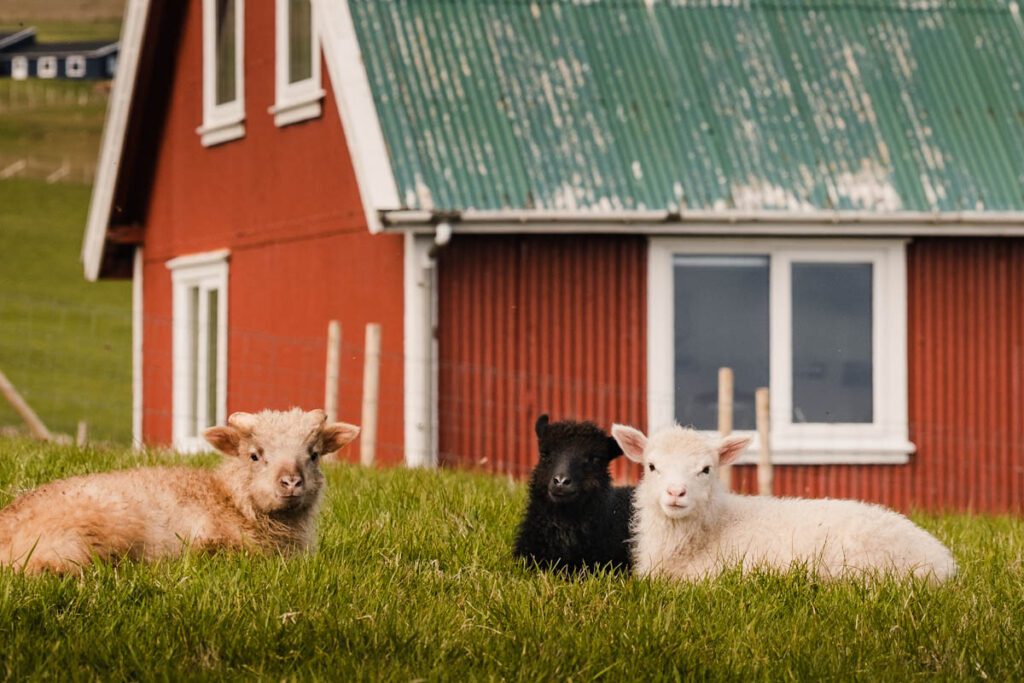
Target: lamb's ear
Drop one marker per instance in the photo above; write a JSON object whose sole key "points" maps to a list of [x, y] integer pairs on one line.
{"points": [[730, 448], [542, 423], [243, 422], [338, 434], [632, 441], [224, 439], [612, 448]]}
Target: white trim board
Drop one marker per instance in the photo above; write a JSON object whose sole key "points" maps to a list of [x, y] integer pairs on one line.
{"points": [[138, 312], [114, 130], [885, 440], [351, 86]]}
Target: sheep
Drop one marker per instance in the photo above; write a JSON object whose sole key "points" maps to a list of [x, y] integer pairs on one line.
{"points": [[575, 519], [264, 496], [686, 526]]}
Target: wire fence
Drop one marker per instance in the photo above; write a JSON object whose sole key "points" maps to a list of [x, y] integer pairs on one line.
{"points": [[73, 364], [51, 129]]}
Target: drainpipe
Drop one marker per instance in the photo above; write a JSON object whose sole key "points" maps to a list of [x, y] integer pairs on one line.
{"points": [[420, 366]]}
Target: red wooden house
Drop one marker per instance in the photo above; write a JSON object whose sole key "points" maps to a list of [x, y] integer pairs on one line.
{"points": [[585, 209]]}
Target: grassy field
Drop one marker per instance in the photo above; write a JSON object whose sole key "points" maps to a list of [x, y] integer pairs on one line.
{"points": [[52, 126], [414, 580], [65, 343]]}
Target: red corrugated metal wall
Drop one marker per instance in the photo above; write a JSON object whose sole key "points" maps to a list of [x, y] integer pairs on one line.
{"points": [[532, 324], [558, 324]]}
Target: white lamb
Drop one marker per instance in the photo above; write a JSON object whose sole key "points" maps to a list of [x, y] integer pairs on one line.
{"points": [[687, 526], [264, 496]]}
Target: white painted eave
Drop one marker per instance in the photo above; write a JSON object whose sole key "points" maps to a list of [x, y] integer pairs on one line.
{"points": [[351, 87], [725, 222], [114, 130]]}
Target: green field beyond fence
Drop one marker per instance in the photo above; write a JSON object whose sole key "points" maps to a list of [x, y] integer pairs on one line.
{"points": [[64, 343], [414, 580]]}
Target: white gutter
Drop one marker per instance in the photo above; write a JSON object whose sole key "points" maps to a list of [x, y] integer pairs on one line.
{"points": [[854, 223]]}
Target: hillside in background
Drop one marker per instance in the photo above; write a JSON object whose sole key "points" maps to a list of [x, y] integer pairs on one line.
{"points": [[61, 10], [64, 343]]}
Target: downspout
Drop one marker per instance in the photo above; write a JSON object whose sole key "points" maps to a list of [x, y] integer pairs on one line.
{"points": [[421, 385]]}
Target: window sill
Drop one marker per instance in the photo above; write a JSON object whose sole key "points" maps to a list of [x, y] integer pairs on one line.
{"points": [[287, 112], [864, 451], [217, 133]]}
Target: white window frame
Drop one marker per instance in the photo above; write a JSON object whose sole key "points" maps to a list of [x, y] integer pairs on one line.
{"points": [[299, 101], [208, 271], [76, 61], [46, 67], [222, 122], [885, 440], [19, 67]]}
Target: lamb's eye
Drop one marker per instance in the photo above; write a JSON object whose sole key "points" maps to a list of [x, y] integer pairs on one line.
{"points": [[313, 455], [706, 470], [254, 456], [650, 466]]}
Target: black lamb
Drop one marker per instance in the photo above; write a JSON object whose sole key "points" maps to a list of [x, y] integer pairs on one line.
{"points": [[575, 519]]}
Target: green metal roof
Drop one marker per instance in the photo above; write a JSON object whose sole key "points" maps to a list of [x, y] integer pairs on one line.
{"points": [[879, 105]]}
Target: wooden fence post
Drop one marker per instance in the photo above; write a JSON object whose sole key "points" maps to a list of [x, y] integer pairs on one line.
{"points": [[371, 395], [765, 474], [333, 370], [725, 399], [35, 425]]}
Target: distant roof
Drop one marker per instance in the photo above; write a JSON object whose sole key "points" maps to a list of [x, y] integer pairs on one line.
{"points": [[880, 105], [93, 48], [10, 38]]}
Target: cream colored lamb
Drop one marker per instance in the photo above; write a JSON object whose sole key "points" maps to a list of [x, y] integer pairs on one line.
{"points": [[264, 496], [687, 526]]}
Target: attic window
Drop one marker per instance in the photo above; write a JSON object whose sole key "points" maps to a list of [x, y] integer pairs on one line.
{"points": [[822, 324], [297, 64], [223, 56]]}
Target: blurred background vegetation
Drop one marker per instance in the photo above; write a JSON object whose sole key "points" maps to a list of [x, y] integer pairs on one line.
{"points": [[64, 343]]}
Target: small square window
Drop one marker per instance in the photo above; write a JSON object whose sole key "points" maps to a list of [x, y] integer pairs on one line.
{"points": [[46, 67], [74, 66], [19, 68]]}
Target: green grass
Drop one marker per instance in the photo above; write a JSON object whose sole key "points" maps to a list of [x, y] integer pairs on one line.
{"points": [[414, 580], [66, 30], [65, 343], [50, 125]]}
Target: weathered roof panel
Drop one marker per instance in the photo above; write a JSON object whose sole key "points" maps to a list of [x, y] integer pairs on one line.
{"points": [[883, 105]]}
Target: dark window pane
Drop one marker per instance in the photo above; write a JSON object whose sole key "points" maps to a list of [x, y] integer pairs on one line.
{"points": [[721, 320], [832, 362], [225, 67], [300, 41], [211, 358]]}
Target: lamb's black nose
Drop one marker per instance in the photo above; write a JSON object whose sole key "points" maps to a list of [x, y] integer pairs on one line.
{"points": [[561, 482]]}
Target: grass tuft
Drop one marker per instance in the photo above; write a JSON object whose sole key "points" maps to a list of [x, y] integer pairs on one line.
{"points": [[414, 580]]}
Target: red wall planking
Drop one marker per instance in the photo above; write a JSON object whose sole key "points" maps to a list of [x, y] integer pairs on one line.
{"points": [[558, 323], [285, 202], [532, 324]]}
